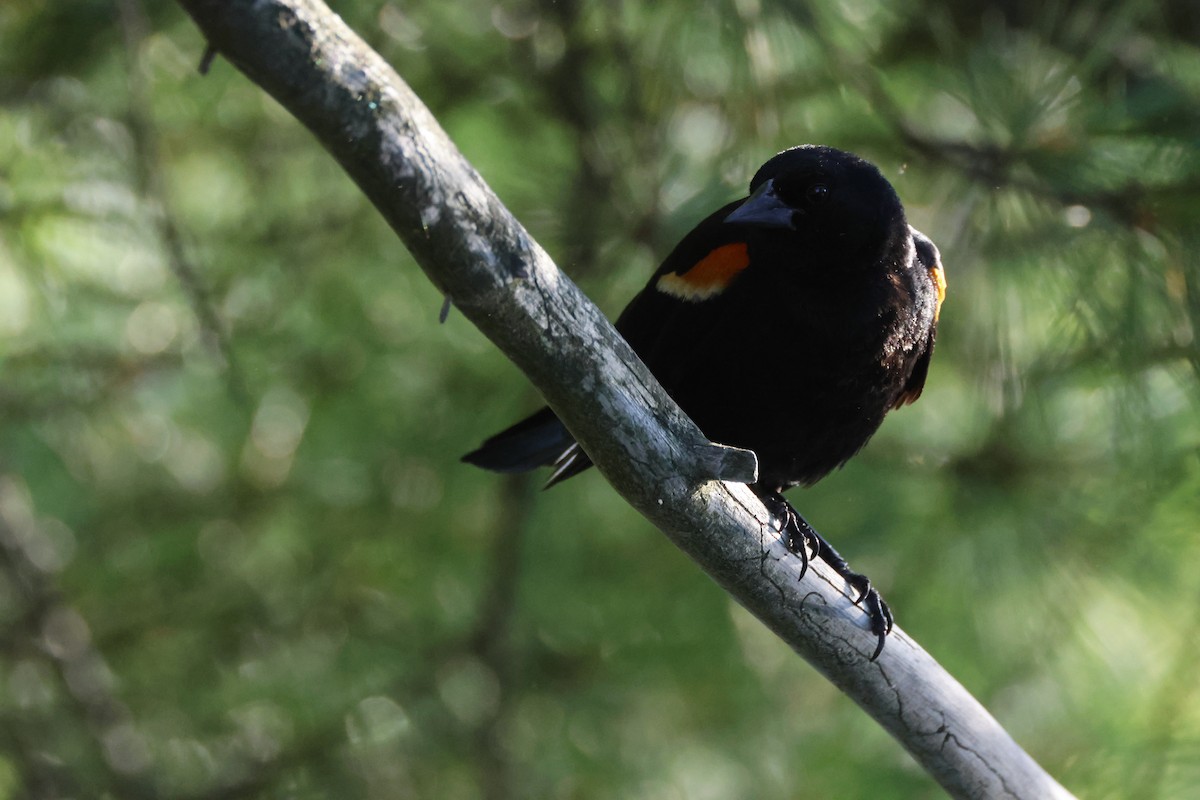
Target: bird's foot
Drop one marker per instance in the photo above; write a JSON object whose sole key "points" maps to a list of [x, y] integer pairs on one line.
{"points": [[798, 536]]}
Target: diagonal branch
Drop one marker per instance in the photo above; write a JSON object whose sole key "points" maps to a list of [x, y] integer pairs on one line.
{"points": [[472, 248]]}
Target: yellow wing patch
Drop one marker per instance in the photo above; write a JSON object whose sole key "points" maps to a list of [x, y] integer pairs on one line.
{"points": [[709, 276], [939, 280]]}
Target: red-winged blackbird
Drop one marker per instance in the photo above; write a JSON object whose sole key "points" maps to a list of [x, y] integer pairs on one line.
{"points": [[788, 323]]}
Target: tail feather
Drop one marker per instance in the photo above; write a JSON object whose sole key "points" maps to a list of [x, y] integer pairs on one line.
{"points": [[539, 440], [572, 461]]}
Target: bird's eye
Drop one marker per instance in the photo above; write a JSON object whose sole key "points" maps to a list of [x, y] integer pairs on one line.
{"points": [[817, 193]]}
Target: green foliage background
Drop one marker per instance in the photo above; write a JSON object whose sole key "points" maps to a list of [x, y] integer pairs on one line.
{"points": [[239, 558]]}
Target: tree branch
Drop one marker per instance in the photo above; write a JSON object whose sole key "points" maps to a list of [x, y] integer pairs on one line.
{"points": [[472, 248]]}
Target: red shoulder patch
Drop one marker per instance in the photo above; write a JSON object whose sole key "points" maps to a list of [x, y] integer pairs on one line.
{"points": [[709, 276]]}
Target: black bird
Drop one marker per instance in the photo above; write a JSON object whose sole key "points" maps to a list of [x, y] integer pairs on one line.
{"points": [[789, 323]]}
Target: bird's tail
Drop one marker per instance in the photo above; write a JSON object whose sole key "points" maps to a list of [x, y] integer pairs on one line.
{"points": [[540, 440]]}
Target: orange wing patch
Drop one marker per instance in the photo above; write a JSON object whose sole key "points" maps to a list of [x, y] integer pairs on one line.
{"points": [[939, 280], [709, 276]]}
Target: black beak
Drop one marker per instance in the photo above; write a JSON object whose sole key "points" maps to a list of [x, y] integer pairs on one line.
{"points": [[763, 209]]}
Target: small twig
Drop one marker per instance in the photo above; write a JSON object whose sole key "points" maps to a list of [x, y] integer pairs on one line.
{"points": [[206, 60]]}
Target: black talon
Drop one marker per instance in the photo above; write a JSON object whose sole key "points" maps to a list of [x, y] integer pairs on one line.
{"points": [[870, 601], [798, 535], [802, 536]]}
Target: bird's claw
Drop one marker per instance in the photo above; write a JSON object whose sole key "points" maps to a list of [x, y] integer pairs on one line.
{"points": [[870, 601], [798, 536]]}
